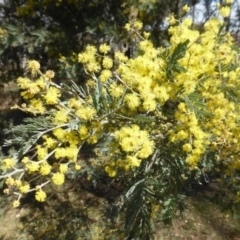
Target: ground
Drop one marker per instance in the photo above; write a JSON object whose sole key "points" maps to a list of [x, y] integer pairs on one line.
{"points": [[74, 213]]}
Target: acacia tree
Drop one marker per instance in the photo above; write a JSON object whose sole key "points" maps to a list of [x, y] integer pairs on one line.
{"points": [[154, 121]]}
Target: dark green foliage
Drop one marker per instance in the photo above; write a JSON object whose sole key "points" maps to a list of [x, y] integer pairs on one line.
{"points": [[19, 44], [138, 213], [143, 119], [161, 184], [44, 29], [170, 206], [98, 97], [172, 61]]}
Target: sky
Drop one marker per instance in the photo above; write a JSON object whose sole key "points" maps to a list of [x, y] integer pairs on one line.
{"points": [[199, 12]]}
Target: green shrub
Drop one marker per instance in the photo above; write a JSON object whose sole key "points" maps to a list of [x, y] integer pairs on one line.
{"points": [[155, 121]]}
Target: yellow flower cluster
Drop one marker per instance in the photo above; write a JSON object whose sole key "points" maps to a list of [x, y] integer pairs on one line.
{"points": [[199, 80], [33, 66], [104, 48], [58, 178], [211, 52], [16, 186], [143, 84], [40, 195], [135, 26], [38, 93], [189, 131], [7, 163], [62, 142], [135, 144], [225, 11], [186, 8], [136, 141]]}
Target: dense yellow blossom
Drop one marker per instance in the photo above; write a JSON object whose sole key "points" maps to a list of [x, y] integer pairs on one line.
{"points": [[38, 105], [115, 90], [49, 142], [33, 66], [91, 49], [32, 167], [60, 153], [77, 167], [225, 11], [132, 140], [17, 182], [59, 133], [120, 56], [6, 191], [149, 104], [7, 163], [133, 161], [40, 195], [86, 113], [171, 19], [63, 168], [104, 48], [187, 147], [83, 132], [41, 152], [9, 181], [93, 67], [24, 188], [45, 169], [74, 103], [85, 57], [186, 8], [61, 116], [146, 150], [52, 96], [111, 171], [23, 83], [105, 75], [128, 27], [132, 100], [107, 63], [92, 139], [138, 25], [71, 152], [16, 203], [58, 178], [50, 74]]}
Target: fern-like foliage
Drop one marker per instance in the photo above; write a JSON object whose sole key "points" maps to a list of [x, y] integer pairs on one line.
{"points": [[102, 100], [25, 135], [138, 214], [172, 61], [164, 189], [170, 206], [98, 98], [195, 103], [74, 89]]}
